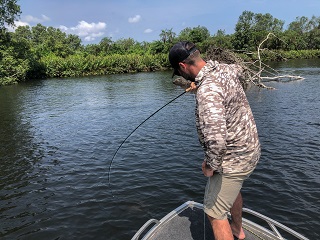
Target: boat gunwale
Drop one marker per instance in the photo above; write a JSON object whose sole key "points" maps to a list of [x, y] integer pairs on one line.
{"points": [[273, 224]]}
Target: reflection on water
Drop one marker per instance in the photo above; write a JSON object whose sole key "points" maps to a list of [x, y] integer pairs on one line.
{"points": [[58, 137]]}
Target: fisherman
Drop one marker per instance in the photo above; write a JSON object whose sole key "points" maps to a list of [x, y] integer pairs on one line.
{"points": [[227, 133]]}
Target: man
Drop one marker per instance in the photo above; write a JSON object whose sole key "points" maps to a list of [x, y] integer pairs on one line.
{"points": [[227, 133]]}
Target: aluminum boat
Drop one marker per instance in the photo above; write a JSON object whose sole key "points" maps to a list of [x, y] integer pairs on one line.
{"points": [[188, 221]]}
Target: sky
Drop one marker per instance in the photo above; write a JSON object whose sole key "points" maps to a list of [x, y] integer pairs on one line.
{"points": [[143, 20]]}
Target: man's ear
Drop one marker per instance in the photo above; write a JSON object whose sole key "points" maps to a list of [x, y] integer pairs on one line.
{"points": [[182, 65]]}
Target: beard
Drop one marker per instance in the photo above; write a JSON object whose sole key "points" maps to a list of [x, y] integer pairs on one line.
{"points": [[187, 76]]}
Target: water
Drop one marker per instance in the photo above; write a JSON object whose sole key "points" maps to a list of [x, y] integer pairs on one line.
{"points": [[58, 137]]}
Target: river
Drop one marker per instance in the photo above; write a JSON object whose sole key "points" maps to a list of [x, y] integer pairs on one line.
{"points": [[58, 137]]}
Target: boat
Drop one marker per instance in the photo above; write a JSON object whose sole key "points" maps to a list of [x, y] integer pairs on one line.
{"points": [[188, 221]]}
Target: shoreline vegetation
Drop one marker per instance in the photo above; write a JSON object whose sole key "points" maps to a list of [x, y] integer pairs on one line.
{"points": [[41, 52], [79, 66]]}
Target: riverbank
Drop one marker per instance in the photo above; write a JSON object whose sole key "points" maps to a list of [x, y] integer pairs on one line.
{"points": [[78, 66], [89, 65], [280, 55]]}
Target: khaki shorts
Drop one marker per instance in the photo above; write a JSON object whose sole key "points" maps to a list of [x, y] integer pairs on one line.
{"points": [[221, 192]]}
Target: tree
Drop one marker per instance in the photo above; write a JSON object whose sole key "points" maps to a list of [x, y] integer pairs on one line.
{"points": [[157, 47], [92, 49], [167, 36], [123, 45], [252, 28], [222, 40], [9, 11], [24, 32], [74, 42], [243, 31], [265, 22], [313, 36], [39, 34], [105, 44], [12, 67], [293, 40], [196, 35], [14, 59], [299, 34], [300, 25], [48, 40]]}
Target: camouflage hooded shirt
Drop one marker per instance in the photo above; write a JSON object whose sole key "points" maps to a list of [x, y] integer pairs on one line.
{"points": [[225, 123]]}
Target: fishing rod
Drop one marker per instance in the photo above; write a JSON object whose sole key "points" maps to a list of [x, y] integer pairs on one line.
{"points": [[110, 166]]}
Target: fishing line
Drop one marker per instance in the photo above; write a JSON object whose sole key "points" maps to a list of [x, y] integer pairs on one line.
{"points": [[110, 166]]}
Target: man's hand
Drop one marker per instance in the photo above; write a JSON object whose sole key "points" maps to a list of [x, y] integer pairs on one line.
{"points": [[207, 171], [192, 87]]}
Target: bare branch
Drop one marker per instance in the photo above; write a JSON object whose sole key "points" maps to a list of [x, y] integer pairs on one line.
{"points": [[252, 71], [255, 72]]}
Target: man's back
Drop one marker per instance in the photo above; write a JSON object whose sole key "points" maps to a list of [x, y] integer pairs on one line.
{"points": [[225, 123]]}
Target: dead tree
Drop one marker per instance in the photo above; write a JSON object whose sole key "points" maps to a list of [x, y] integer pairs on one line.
{"points": [[255, 72], [275, 75]]}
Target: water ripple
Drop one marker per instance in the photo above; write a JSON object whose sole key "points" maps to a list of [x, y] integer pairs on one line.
{"points": [[56, 152]]}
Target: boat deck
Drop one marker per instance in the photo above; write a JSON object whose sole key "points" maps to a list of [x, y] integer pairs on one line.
{"points": [[188, 222]]}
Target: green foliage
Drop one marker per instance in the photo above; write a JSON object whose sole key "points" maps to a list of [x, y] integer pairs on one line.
{"points": [[121, 46], [42, 52], [221, 39], [196, 35], [9, 11], [12, 68], [14, 59], [300, 54], [300, 25], [81, 65], [167, 36], [293, 40], [49, 40], [252, 28], [13, 65]]}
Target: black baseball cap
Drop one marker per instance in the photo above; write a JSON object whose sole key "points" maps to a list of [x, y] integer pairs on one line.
{"points": [[179, 52]]}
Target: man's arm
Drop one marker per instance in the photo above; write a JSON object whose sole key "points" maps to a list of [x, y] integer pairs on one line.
{"points": [[212, 124]]}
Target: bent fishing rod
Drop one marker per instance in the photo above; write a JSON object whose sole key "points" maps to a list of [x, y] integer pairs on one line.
{"points": [[113, 157]]}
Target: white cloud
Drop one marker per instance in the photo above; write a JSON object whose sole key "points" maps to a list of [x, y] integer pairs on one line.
{"points": [[148, 30], [63, 28], [88, 31], [27, 20], [89, 39], [20, 23], [16, 25], [134, 19], [32, 19]]}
